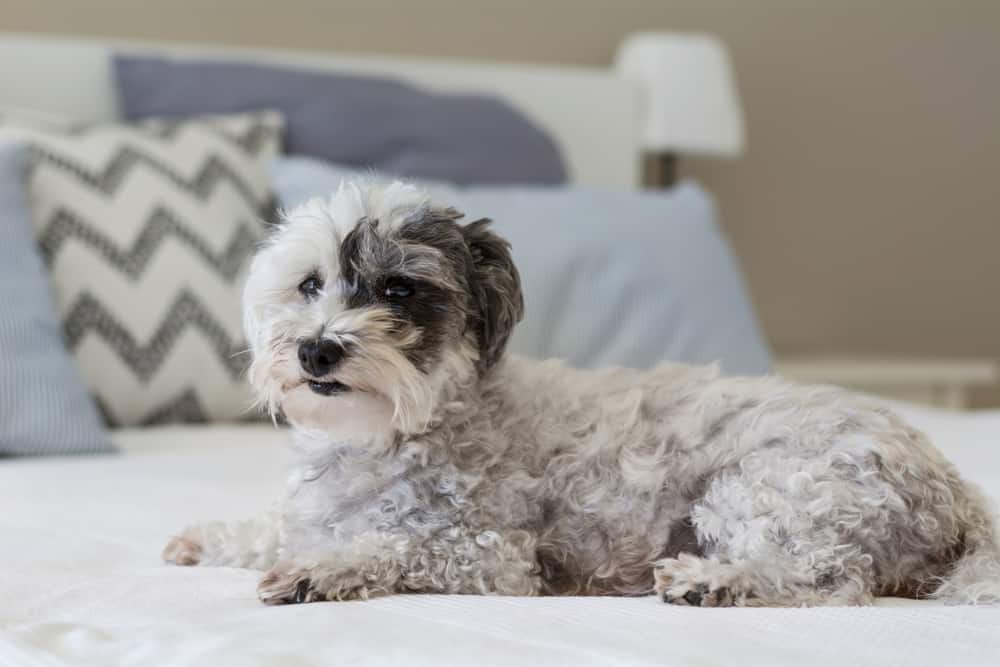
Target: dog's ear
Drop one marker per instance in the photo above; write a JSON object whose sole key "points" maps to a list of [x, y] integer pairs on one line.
{"points": [[496, 291]]}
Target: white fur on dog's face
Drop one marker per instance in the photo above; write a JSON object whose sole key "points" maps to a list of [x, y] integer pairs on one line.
{"points": [[417, 301]]}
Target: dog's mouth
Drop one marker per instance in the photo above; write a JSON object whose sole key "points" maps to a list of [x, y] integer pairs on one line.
{"points": [[328, 388]]}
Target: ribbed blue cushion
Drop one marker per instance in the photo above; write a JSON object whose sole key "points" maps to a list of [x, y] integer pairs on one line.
{"points": [[44, 406]]}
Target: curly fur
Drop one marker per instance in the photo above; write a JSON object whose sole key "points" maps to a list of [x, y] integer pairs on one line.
{"points": [[450, 467]]}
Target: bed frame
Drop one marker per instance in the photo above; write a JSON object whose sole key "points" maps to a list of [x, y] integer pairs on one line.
{"points": [[591, 113]]}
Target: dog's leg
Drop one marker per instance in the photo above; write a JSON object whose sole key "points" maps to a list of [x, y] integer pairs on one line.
{"points": [[251, 544], [372, 566], [770, 538]]}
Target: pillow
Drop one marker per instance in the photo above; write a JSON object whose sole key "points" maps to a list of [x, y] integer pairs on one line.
{"points": [[44, 405], [366, 121], [609, 278], [147, 231]]}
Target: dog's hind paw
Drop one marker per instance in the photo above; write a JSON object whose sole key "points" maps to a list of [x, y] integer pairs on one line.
{"points": [[695, 582], [700, 596]]}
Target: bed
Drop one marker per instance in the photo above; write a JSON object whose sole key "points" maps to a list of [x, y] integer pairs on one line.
{"points": [[82, 582]]}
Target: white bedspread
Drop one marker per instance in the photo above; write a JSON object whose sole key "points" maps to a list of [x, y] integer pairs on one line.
{"points": [[81, 583]]}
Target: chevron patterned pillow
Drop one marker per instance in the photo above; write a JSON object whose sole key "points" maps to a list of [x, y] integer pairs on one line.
{"points": [[147, 231]]}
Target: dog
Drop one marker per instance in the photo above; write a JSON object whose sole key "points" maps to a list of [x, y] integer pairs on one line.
{"points": [[425, 459]]}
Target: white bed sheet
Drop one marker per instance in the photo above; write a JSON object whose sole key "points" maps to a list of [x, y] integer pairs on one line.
{"points": [[81, 582]]}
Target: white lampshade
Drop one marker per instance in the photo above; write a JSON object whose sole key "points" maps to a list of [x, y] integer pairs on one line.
{"points": [[689, 98]]}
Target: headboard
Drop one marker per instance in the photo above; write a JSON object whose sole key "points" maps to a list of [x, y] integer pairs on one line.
{"points": [[591, 113]]}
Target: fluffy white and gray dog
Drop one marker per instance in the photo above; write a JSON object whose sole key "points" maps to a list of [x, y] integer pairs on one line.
{"points": [[427, 460]]}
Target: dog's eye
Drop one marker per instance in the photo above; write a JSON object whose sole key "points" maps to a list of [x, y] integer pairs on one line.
{"points": [[398, 289], [310, 287]]}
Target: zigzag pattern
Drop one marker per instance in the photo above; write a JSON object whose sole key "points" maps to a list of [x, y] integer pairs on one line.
{"points": [[65, 225], [89, 315], [108, 180], [185, 407], [129, 218], [256, 137], [262, 129]]}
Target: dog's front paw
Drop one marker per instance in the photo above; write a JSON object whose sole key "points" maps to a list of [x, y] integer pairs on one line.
{"points": [[182, 550], [284, 585], [288, 587], [694, 582]]}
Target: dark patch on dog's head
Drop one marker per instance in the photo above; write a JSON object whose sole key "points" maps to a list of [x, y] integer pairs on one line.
{"points": [[439, 278], [408, 272]]}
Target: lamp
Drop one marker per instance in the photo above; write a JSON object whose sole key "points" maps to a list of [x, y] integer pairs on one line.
{"points": [[689, 98]]}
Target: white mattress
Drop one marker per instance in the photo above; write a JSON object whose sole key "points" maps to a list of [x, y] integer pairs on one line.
{"points": [[81, 582]]}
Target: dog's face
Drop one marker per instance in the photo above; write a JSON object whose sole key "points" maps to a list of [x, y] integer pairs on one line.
{"points": [[362, 310]]}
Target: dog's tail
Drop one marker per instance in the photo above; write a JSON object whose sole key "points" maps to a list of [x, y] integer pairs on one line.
{"points": [[975, 577]]}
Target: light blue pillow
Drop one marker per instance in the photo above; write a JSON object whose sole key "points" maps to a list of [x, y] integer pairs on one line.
{"points": [[44, 406], [609, 278]]}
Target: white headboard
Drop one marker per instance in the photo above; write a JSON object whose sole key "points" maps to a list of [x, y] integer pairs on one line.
{"points": [[591, 113]]}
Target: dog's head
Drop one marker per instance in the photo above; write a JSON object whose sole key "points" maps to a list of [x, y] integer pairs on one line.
{"points": [[367, 308]]}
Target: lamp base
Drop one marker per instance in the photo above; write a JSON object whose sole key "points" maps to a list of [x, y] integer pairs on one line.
{"points": [[659, 170]]}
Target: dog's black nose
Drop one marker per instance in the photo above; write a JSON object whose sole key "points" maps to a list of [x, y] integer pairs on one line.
{"points": [[319, 356]]}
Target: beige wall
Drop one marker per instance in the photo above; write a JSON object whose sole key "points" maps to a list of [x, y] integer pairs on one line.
{"points": [[867, 212]]}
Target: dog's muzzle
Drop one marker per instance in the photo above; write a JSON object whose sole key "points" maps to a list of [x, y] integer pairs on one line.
{"points": [[318, 357]]}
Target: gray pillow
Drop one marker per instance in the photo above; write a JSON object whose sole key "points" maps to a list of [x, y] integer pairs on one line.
{"points": [[363, 121], [44, 406], [609, 278]]}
